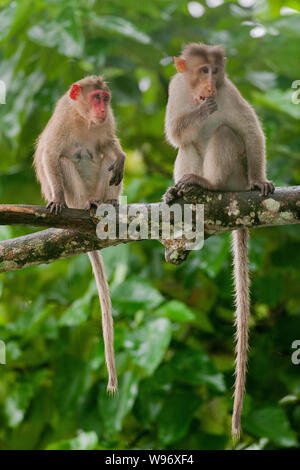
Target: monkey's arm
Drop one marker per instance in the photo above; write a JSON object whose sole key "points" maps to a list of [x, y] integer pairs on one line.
{"points": [[186, 173], [184, 129], [250, 129], [115, 151], [109, 186]]}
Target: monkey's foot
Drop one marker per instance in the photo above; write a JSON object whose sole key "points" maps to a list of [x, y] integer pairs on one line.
{"points": [[113, 202], [266, 187], [56, 207], [188, 181], [92, 204], [170, 195]]}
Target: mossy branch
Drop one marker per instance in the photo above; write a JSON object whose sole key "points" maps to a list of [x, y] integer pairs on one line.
{"points": [[74, 231]]}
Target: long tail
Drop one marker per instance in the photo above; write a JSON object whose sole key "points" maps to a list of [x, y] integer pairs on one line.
{"points": [[107, 320], [242, 302]]}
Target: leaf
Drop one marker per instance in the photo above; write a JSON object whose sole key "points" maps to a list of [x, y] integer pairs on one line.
{"points": [[271, 422], [84, 441], [120, 26], [279, 100], [17, 403], [269, 288], [114, 409], [213, 255], [65, 34], [135, 294], [19, 398], [70, 382], [175, 310], [148, 344], [6, 19], [78, 312], [176, 416], [195, 368]]}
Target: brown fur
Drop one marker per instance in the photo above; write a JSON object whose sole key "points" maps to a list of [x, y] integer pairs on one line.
{"points": [[221, 146], [80, 163]]}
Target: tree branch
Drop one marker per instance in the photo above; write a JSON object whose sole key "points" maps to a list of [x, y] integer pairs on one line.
{"points": [[223, 211]]}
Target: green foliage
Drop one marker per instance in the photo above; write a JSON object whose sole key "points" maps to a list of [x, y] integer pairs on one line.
{"points": [[174, 333]]}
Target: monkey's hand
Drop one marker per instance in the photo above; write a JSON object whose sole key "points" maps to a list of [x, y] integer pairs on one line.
{"points": [[266, 187], [170, 195], [117, 169], [208, 107], [56, 207], [185, 184]]}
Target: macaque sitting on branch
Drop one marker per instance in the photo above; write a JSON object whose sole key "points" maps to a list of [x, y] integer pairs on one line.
{"points": [[221, 146], [80, 163]]}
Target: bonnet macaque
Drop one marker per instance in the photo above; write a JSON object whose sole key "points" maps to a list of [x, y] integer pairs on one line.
{"points": [[221, 146], [80, 163]]}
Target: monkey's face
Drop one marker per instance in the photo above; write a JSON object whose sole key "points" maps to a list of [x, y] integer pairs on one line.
{"points": [[203, 73], [98, 103], [91, 104]]}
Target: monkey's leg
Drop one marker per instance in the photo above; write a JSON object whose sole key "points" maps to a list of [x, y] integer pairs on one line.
{"points": [[107, 320], [41, 176], [52, 170], [74, 190], [112, 194], [188, 161], [224, 163], [242, 302], [103, 191]]}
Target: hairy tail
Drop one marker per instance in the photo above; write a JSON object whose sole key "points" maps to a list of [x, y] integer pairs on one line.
{"points": [[241, 280], [107, 320]]}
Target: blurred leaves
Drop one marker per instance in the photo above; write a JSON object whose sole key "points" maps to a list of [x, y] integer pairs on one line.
{"points": [[272, 422], [135, 294], [148, 343], [173, 325]]}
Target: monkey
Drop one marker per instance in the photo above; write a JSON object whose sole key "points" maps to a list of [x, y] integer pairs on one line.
{"points": [[79, 163], [221, 147]]}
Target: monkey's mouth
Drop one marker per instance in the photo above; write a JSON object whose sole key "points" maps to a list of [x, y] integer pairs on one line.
{"points": [[200, 99], [99, 119]]}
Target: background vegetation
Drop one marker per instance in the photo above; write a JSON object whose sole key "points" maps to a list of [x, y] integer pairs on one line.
{"points": [[174, 333]]}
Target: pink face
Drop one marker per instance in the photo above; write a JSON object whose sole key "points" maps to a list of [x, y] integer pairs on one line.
{"points": [[94, 107], [99, 100]]}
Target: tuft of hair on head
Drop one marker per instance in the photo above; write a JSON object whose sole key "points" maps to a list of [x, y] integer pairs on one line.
{"points": [[199, 49], [94, 81]]}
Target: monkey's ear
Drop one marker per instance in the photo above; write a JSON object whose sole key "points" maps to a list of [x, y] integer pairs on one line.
{"points": [[75, 91], [179, 64]]}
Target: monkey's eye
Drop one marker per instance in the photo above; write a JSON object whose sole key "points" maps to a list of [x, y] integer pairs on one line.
{"points": [[215, 70], [97, 96], [106, 98], [204, 69]]}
